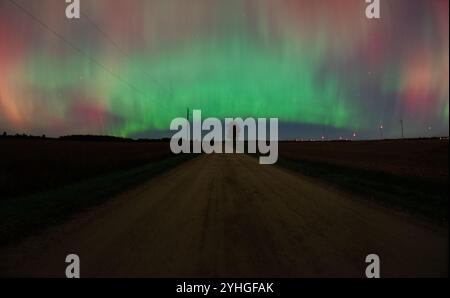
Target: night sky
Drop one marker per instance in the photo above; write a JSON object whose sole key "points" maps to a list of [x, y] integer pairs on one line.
{"points": [[128, 67]]}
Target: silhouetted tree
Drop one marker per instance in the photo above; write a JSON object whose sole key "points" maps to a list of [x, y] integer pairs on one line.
{"points": [[4, 134]]}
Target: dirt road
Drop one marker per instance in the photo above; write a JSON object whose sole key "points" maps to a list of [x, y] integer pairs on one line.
{"points": [[228, 216]]}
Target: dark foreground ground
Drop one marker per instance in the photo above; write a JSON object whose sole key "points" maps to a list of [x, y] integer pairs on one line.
{"points": [[228, 216], [409, 175], [45, 181], [319, 214], [28, 166]]}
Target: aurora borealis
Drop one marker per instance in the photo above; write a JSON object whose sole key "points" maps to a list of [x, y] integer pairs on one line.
{"points": [[316, 65]]}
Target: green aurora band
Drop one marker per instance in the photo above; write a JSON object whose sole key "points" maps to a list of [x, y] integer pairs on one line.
{"points": [[328, 70]]}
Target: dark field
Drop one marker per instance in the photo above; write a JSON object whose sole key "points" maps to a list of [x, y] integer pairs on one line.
{"points": [[43, 182], [28, 166], [427, 159], [225, 216], [409, 174]]}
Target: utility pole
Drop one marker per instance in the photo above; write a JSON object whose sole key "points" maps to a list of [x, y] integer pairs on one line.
{"points": [[401, 124], [188, 119], [381, 131]]}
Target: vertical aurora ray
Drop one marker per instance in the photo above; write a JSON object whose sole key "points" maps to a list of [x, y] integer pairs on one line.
{"points": [[319, 63]]}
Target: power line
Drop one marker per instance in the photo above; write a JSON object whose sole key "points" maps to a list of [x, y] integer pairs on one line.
{"points": [[118, 47], [401, 124], [72, 45]]}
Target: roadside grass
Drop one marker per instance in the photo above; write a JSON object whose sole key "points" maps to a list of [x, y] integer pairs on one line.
{"points": [[422, 197], [21, 217]]}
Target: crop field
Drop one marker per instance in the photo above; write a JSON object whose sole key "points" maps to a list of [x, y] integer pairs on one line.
{"points": [[28, 166], [427, 159], [411, 175]]}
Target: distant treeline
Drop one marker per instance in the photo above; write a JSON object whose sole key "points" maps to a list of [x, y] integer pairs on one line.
{"points": [[21, 136], [91, 138]]}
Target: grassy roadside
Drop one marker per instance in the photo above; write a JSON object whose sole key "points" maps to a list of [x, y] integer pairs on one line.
{"points": [[20, 217], [421, 197]]}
